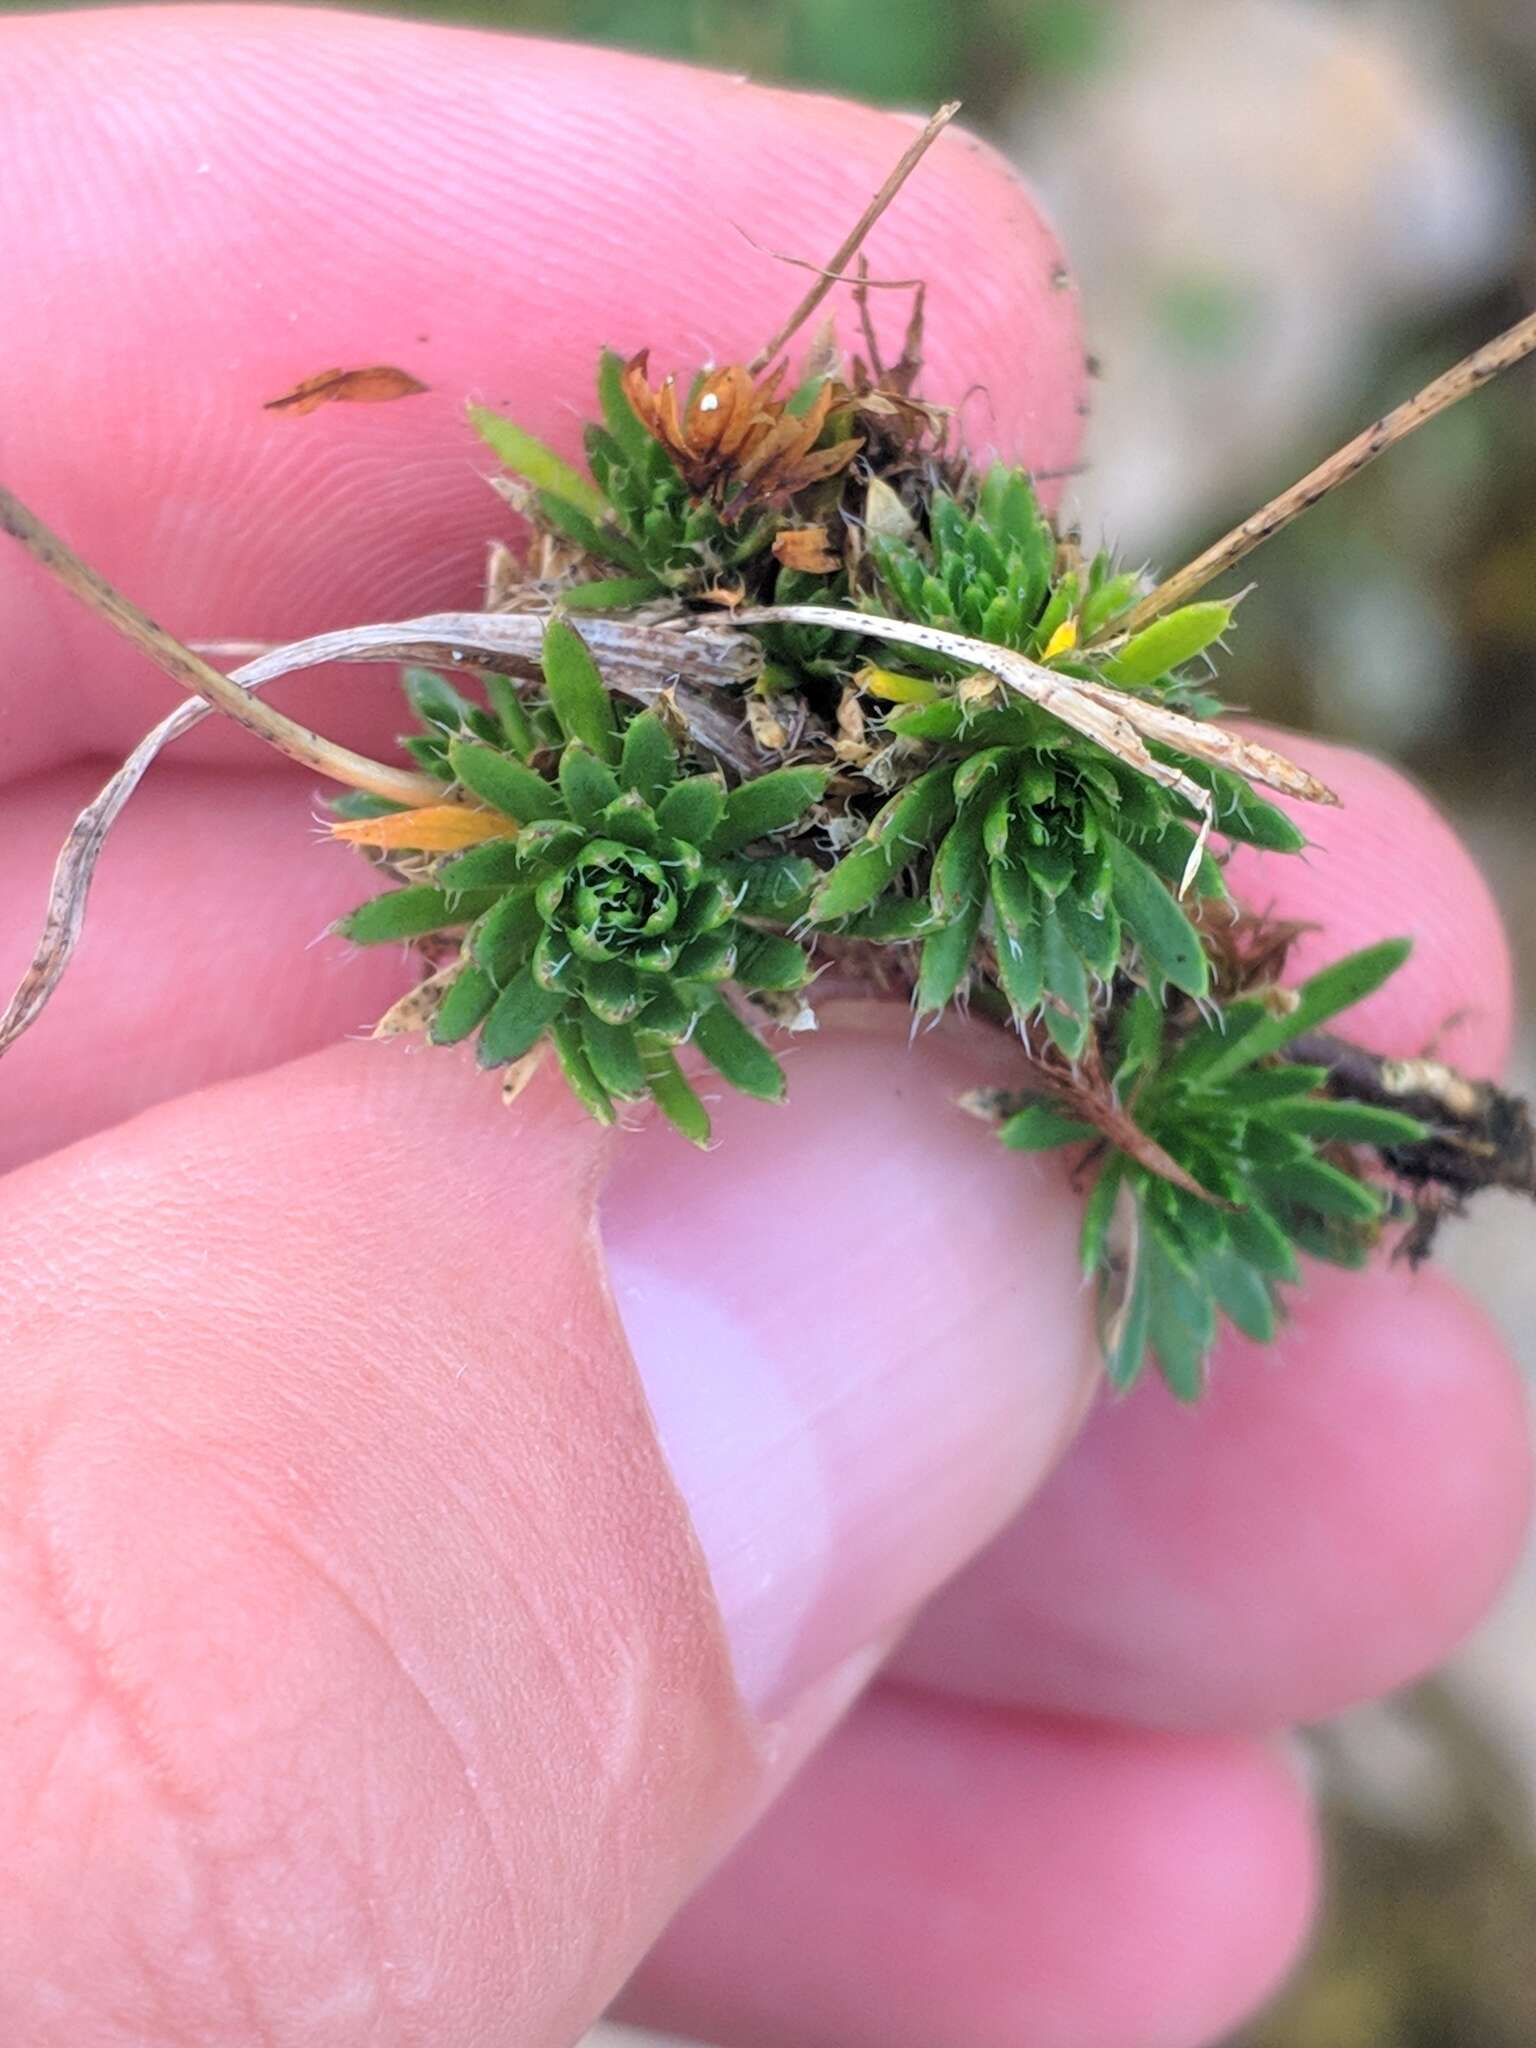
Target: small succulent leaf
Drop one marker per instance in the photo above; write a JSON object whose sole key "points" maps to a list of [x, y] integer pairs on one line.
{"points": [[1255, 1087], [587, 784], [1065, 975], [959, 866], [548, 844], [612, 991], [1182, 1323], [1340, 1244], [580, 1075], [612, 593], [854, 883], [1125, 1344], [770, 803], [630, 820], [648, 758], [1242, 1294], [895, 920], [1169, 642], [1106, 601], [939, 722], [1349, 1123], [1098, 1212], [497, 863], [709, 958], [1167, 853], [692, 809], [1067, 1031], [506, 935], [1051, 866], [361, 803], [1021, 969], [671, 1011], [552, 962], [1094, 935], [977, 768], [1141, 1039], [518, 1020], [1258, 1238], [576, 692], [1053, 619], [506, 785], [673, 1096], [1325, 1190], [613, 1055], [1168, 941], [737, 1054], [946, 958], [412, 913], [1335, 988], [1241, 813], [770, 964], [1265, 1144], [997, 825], [527, 457], [1041, 1127], [465, 1007], [777, 886], [710, 904], [619, 416], [434, 699], [604, 542], [913, 820]]}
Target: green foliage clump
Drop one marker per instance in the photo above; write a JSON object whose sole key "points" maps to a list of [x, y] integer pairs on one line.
{"points": [[1040, 858], [1262, 1150], [936, 807], [619, 900], [634, 515]]}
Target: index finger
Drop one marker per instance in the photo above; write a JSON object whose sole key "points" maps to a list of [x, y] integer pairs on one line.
{"points": [[215, 203]]}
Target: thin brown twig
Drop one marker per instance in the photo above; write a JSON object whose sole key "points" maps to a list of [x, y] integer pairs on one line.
{"points": [[876, 284], [194, 674], [911, 157], [1466, 376]]}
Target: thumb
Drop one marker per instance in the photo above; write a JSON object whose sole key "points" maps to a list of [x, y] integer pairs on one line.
{"points": [[391, 1643]]}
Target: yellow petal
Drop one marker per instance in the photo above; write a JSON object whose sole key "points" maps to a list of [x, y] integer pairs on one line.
{"points": [[896, 688], [1062, 641], [438, 828]]}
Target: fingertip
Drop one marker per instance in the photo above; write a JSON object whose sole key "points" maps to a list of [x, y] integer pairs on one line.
{"points": [[948, 1877], [1386, 863], [487, 212]]}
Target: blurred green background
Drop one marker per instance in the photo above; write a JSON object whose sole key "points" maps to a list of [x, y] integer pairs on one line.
{"points": [[1284, 215]]}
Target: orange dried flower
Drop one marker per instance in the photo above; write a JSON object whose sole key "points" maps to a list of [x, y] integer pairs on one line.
{"points": [[736, 440]]}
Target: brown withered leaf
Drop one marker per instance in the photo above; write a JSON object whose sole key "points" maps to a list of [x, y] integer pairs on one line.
{"points": [[804, 548], [373, 386]]}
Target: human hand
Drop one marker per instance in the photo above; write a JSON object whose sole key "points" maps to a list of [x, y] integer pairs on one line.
{"points": [[371, 1673]]}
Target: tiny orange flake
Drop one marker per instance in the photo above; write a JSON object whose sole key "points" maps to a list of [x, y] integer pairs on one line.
{"points": [[373, 386]]}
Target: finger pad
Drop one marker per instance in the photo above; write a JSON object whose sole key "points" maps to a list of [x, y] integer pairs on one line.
{"points": [[1386, 864], [943, 1876], [307, 190], [1331, 1519]]}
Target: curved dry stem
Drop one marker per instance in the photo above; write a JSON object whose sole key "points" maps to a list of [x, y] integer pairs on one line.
{"points": [[1115, 718], [308, 748], [644, 660]]}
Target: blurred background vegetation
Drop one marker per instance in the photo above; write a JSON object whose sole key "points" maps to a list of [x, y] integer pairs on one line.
{"points": [[1284, 215]]}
